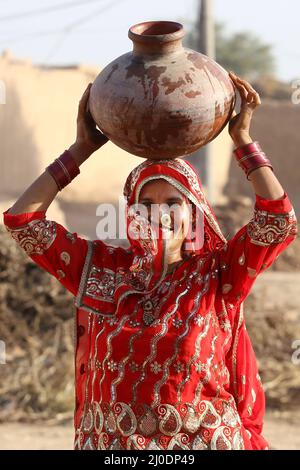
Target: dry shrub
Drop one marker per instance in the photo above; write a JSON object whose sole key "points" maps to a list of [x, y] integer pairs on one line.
{"points": [[273, 331], [37, 327]]}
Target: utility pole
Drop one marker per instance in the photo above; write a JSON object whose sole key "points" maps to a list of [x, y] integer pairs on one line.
{"points": [[206, 29], [202, 159]]}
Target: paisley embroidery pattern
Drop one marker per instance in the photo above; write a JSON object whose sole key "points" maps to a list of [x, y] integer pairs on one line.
{"points": [[266, 229], [140, 427], [36, 236], [65, 257], [101, 284]]}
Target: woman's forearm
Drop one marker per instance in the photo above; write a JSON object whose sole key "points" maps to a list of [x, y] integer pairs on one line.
{"points": [[37, 197], [265, 183]]}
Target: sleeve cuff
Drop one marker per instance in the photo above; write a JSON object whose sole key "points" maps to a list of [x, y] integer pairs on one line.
{"points": [[18, 220], [277, 206]]}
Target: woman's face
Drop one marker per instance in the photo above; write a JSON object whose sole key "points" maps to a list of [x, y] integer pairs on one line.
{"points": [[160, 197]]}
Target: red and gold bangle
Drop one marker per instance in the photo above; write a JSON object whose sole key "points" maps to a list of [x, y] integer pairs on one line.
{"points": [[63, 170], [250, 157]]}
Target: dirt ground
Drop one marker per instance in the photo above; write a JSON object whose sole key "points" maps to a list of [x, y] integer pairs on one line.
{"points": [[282, 434]]}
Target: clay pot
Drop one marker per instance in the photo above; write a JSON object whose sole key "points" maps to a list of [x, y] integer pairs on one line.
{"points": [[161, 100]]}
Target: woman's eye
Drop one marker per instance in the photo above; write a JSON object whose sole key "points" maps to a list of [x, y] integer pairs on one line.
{"points": [[177, 203]]}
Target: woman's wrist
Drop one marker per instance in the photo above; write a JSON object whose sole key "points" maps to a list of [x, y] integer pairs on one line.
{"points": [[80, 152], [241, 140]]}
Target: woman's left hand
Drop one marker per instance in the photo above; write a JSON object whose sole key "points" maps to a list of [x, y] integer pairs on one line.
{"points": [[239, 125]]}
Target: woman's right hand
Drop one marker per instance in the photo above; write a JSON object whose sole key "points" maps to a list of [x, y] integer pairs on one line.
{"points": [[89, 138]]}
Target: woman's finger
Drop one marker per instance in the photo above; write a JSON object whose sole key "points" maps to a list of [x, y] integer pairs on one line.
{"points": [[84, 101], [243, 93], [244, 83], [240, 87], [257, 99], [248, 87], [89, 120], [252, 97]]}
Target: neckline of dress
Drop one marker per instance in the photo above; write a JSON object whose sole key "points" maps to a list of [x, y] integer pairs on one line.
{"points": [[176, 265]]}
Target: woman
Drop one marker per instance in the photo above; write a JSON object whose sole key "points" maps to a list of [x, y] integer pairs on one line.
{"points": [[163, 359]]}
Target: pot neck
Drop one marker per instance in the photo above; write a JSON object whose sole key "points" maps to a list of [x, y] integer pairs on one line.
{"points": [[154, 48]]}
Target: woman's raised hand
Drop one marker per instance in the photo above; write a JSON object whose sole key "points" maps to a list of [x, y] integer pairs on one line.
{"points": [[239, 125]]}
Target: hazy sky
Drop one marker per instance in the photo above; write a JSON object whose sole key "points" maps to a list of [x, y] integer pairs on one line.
{"points": [[98, 28]]}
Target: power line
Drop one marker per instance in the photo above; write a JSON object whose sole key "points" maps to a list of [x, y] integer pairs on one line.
{"points": [[67, 29], [86, 18], [73, 25], [41, 11], [58, 43]]}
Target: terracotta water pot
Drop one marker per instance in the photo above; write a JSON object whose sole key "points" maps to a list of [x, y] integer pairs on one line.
{"points": [[161, 100]]}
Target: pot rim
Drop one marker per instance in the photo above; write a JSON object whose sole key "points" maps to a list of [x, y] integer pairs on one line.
{"points": [[170, 31]]}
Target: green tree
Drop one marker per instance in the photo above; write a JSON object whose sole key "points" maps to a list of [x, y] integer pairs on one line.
{"points": [[242, 52]]}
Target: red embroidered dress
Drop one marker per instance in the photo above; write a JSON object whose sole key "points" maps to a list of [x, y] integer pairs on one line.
{"points": [[163, 361]]}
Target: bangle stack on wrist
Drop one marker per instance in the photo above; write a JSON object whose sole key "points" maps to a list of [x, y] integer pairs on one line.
{"points": [[250, 157], [63, 170]]}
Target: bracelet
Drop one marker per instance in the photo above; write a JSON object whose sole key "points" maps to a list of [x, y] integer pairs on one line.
{"points": [[250, 157], [63, 170]]}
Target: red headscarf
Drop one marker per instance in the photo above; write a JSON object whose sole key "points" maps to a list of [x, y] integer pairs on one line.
{"points": [[150, 248]]}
